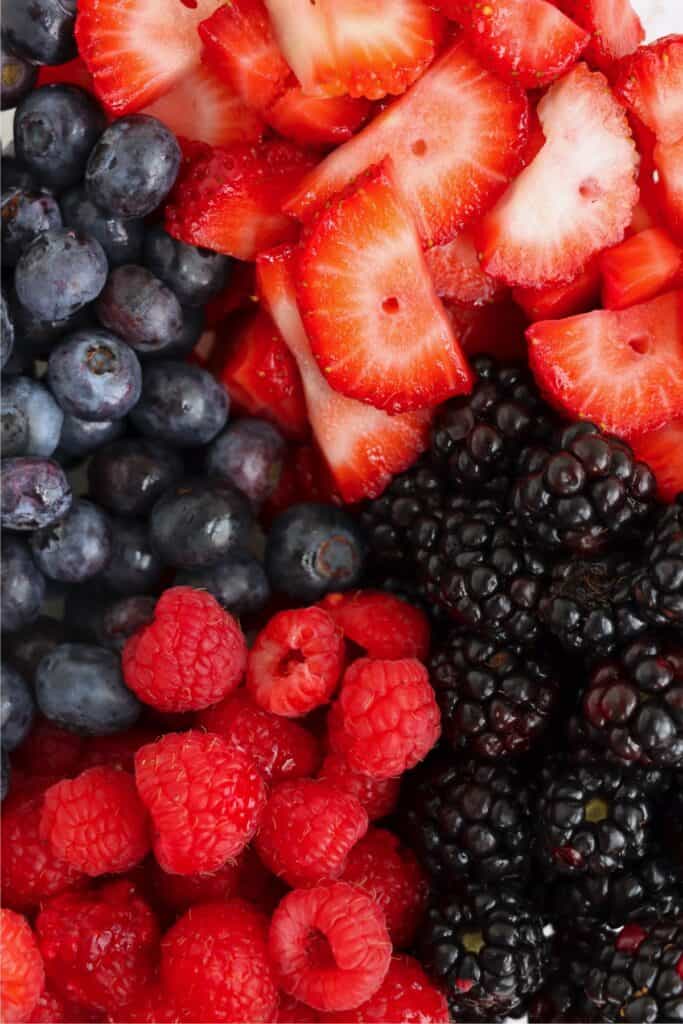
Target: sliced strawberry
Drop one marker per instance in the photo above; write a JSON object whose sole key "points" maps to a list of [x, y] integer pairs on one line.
{"points": [[316, 120], [622, 369], [457, 274], [136, 50], [496, 329], [230, 199], [552, 301], [650, 83], [363, 446], [663, 451], [577, 195], [449, 167], [669, 163], [376, 326], [613, 24], [74, 72], [528, 42], [305, 477], [302, 34], [643, 266], [239, 293]]}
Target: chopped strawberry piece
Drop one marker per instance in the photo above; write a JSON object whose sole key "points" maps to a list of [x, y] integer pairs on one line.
{"points": [[230, 199], [613, 24], [239, 293], [662, 450], [316, 120], [650, 83], [643, 266], [376, 326], [576, 196], [496, 329], [552, 301], [457, 274], [622, 369], [305, 477], [669, 163], [74, 72], [136, 50], [450, 168], [528, 42], [363, 446]]}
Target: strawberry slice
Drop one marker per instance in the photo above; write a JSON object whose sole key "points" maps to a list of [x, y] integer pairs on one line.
{"points": [[362, 446], [643, 266], [650, 84], [552, 301], [496, 329], [662, 450], [575, 197], [316, 120], [376, 326], [669, 163], [450, 168], [457, 274], [615, 28], [622, 369], [528, 42], [136, 50], [74, 72], [230, 198], [239, 293]]}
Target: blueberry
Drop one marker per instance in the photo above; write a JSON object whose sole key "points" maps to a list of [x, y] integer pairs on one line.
{"points": [[6, 774], [120, 239], [84, 606], [17, 708], [77, 547], [181, 404], [81, 688], [40, 31], [134, 566], [31, 419], [193, 274], [24, 216], [239, 583], [124, 617], [139, 307], [199, 522], [133, 167], [55, 128], [80, 437], [29, 645], [59, 273], [18, 77], [22, 585], [38, 337], [35, 492], [249, 453], [94, 375], [190, 333], [129, 475], [15, 175], [6, 332], [312, 550]]}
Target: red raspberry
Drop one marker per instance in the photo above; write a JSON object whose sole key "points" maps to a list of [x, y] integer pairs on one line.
{"points": [[21, 968], [52, 1009], [205, 799], [390, 873], [296, 662], [280, 749], [215, 964], [99, 948], [381, 624], [291, 1011], [405, 995], [179, 892], [117, 750], [330, 946], [192, 655], [96, 822], [307, 830], [257, 885], [378, 796], [386, 718], [31, 870], [48, 750], [151, 1006]]}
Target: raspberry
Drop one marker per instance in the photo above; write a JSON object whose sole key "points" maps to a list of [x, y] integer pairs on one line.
{"points": [[117, 750], [205, 799], [52, 1009], [21, 968], [386, 718], [291, 1011], [280, 749], [307, 831], [296, 662], [330, 946], [48, 750], [378, 796], [99, 948], [390, 873], [192, 655], [405, 995], [215, 964], [180, 892], [96, 822], [152, 1005], [381, 624]]}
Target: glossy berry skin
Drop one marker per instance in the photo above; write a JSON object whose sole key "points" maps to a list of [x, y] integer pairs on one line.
{"points": [[77, 547], [17, 708], [24, 216], [239, 583], [23, 975], [124, 617], [95, 375], [181, 404], [659, 585], [31, 419], [6, 331], [42, 33], [250, 454], [194, 275], [18, 78], [121, 239], [381, 624], [59, 273], [25, 648], [79, 437], [191, 331], [80, 687], [22, 585], [129, 475], [199, 522], [377, 797], [134, 566], [36, 337], [139, 307], [406, 994], [204, 797], [132, 167], [313, 550], [35, 493], [55, 128]]}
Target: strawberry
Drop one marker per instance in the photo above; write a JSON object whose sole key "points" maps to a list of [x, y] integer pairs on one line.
{"points": [[230, 199], [529, 42], [614, 26], [450, 168], [650, 83], [643, 266], [552, 301], [668, 160], [136, 50], [305, 477], [363, 446], [622, 369], [376, 326], [496, 329], [316, 120], [259, 373], [74, 72], [457, 274], [239, 293], [662, 450], [575, 197]]}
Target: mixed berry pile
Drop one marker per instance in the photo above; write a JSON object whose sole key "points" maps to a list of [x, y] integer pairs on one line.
{"points": [[342, 512]]}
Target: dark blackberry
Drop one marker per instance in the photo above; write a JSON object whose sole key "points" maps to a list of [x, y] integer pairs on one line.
{"points": [[487, 948], [563, 996], [659, 587], [388, 521], [582, 491], [495, 699], [477, 438]]}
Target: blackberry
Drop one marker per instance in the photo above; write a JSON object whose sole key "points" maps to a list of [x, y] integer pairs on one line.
{"points": [[495, 699], [659, 586], [582, 491], [563, 996], [389, 521], [487, 948]]}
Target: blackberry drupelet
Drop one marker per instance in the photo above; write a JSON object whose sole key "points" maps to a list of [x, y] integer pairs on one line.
{"points": [[388, 521], [562, 996], [582, 491], [495, 698], [659, 587]]}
